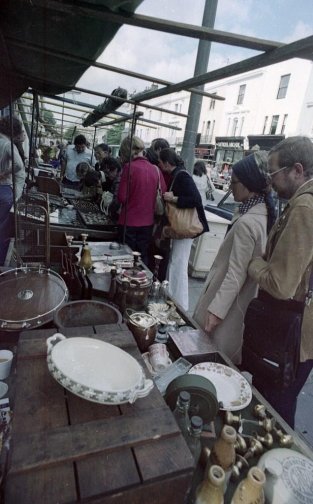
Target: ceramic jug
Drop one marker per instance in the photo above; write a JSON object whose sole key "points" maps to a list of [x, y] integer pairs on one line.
{"points": [[250, 489], [223, 451], [211, 490]]}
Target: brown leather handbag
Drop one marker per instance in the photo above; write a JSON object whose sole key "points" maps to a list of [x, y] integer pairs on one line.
{"points": [[184, 222]]}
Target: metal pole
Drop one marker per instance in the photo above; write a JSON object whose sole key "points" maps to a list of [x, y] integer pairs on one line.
{"points": [[93, 144], [62, 123], [195, 103], [132, 133], [13, 171]]}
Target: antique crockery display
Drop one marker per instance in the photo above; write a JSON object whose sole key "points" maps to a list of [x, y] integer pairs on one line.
{"points": [[159, 356], [152, 371], [289, 476], [96, 370], [233, 390], [165, 313]]}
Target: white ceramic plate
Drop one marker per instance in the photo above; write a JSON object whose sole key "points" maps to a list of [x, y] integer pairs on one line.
{"points": [[232, 389], [95, 370], [289, 477]]}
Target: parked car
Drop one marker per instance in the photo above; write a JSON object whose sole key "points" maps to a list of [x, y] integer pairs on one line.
{"points": [[223, 204]]}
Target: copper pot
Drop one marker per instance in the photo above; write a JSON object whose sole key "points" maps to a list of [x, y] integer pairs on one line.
{"points": [[132, 289], [143, 327]]}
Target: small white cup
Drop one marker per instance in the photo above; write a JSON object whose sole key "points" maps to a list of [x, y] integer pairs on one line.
{"points": [[6, 357], [158, 356]]}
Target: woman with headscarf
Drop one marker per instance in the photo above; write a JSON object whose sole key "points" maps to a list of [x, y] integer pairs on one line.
{"points": [[228, 290]]}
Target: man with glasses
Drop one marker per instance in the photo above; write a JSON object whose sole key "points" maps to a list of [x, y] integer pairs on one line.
{"points": [[284, 271]]}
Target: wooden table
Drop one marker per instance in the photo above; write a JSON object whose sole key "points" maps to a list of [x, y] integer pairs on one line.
{"points": [[65, 449]]}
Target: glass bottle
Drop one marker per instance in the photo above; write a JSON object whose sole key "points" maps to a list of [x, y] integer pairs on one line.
{"points": [[193, 439], [181, 412], [154, 292], [211, 490], [250, 489], [164, 291], [161, 336]]}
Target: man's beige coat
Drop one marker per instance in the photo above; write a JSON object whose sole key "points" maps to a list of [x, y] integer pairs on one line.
{"points": [[289, 256]]}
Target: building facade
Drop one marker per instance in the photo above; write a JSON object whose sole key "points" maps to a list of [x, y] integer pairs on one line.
{"points": [[275, 100]]}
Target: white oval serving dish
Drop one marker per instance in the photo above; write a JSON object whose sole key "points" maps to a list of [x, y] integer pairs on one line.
{"points": [[96, 370]]}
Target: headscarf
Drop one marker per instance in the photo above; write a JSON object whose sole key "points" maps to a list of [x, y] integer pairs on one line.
{"points": [[256, 180], [250, 174]]}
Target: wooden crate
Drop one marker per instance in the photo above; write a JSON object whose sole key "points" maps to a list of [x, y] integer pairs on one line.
{"points": [[65, 449]]}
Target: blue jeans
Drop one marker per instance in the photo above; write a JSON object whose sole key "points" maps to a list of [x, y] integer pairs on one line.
{"points": [[6, 201], [284, 401]]}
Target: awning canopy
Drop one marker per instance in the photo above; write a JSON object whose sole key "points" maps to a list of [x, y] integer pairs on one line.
{"points": [[43, 25]]}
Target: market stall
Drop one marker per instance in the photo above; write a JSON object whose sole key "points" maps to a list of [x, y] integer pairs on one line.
{"points": [[81, 442]]}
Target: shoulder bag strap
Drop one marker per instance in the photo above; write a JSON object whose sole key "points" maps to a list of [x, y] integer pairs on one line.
{"points": [[177, 176], [159, 183], [309, 294]]}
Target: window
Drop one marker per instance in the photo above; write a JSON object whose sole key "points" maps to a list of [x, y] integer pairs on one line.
{"points": [[213, 126], [283, 85], [212, 104], [176, 107], [228, 126], [283, 126], [235, 126], [274, 123], [208, 127], [241, 94], [241, 125], [265, 124]]}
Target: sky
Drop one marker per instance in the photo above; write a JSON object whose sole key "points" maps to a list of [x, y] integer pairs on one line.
{"points": [[172, 57]]}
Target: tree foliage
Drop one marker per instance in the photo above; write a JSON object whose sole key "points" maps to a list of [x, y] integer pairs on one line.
{"points": [[48, 117], [114, 134], [70, 133]]}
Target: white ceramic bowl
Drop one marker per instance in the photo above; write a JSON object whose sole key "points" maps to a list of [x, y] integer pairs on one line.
{"points": [[95, 370]]}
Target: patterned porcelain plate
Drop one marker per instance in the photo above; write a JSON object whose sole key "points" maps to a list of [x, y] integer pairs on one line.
{"points": [[96, 370], [232, 389]]}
